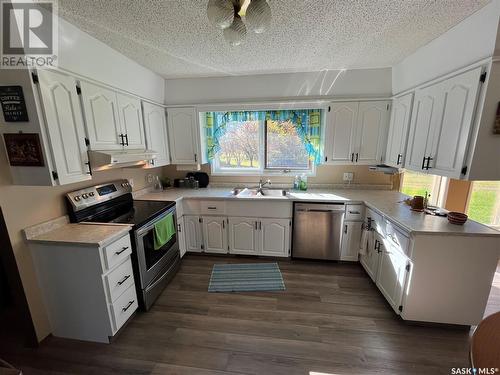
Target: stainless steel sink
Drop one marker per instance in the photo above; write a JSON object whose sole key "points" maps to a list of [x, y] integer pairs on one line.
{"points": [[256, 192]]}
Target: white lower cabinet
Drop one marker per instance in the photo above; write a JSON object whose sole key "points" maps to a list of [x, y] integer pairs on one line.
{"points": [[214, 234], [243, 235], [392, 274], [93, 295], [274, 237], [371, 260], [181, 235], [351, 237], [193, 234], [236, 235]]}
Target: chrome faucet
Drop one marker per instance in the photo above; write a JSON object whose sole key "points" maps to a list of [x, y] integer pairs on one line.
{"points": [[262, 183]]}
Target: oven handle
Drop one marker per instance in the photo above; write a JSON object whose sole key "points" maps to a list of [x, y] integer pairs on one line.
{"points": [[150, 225]]}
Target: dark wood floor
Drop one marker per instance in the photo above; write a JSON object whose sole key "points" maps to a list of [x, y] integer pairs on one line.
{"points": [[331, 320]]}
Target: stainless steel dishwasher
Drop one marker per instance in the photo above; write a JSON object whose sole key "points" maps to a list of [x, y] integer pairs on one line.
{"points": [[317, 230]]}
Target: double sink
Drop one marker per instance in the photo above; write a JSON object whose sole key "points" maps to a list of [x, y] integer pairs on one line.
{"points": [[258, 192]]}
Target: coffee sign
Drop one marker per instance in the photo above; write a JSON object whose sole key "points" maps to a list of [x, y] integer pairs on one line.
{"points": [[13, 105]]}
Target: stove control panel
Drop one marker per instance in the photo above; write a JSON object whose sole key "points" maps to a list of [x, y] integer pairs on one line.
{"points": [[93, 195]]}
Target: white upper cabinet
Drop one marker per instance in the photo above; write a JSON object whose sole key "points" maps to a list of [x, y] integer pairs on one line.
{"points": [[441, 124], [132, 127], [155, 124], [183, 135], [398, 130], [102, 118], [371, 132], [340, 132], [356, 132], [214, 234], [451, 134], [63, 115], [275, 237]]}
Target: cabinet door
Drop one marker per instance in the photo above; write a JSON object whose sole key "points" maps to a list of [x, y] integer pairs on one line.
{"points": [[183, 135], [274, 237], [453, 123], [214, 234], [371, 132], [423, 116], [370, 260], [63, 116], [101, 115], [129, 109], [398, 130], [351, 237], [243, 235], [181, 235], [340, 132], [392, 275], [193, 234], [155, 124]]}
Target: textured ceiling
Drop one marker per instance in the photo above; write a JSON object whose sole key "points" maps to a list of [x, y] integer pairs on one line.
{"points": [[174, 38]]}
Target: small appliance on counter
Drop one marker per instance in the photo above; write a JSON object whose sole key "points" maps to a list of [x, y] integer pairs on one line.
{"points": [[193, 180]]}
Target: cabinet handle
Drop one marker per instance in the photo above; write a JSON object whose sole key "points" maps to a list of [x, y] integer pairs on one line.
{"points": [[423, 162], [354, 212], [256, 226], [375, 246], [195, 158], [352, 157], [179, 228], [223, 224], [212, 208], [260, 225], [399, 159], [345, 229], [123, 280], [122, 141], [90, 168], [427, 166], [128, 306], [357, 155], [126, 139], [122, 250]]}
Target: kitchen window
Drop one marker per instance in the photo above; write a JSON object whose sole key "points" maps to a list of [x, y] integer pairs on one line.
{"points": [[484, 203], [263, 142], [415, 183]]}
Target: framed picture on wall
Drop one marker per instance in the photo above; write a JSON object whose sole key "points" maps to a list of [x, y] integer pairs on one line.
{"points": [[23, 149], [13, 104]]}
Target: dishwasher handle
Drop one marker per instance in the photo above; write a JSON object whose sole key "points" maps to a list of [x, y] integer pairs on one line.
{"points": [[325, 210]]}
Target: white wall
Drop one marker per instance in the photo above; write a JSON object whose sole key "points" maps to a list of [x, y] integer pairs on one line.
{"points": [[471, 40], [82, 54], [324, 84]]}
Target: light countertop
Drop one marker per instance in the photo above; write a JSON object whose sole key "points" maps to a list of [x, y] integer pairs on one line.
{"points": [[81, 234], [386, 202]]}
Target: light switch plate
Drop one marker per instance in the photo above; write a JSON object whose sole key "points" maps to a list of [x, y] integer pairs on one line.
{"points": [[348, 176]]}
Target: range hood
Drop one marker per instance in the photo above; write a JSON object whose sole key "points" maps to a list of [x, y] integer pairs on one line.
{"points": [[100, 160], [386, 169]]}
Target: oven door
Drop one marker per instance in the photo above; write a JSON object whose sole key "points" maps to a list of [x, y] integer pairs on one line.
{"points": [[150, 261]]}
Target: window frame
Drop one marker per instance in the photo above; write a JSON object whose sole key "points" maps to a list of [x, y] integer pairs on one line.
{"points": [[216, 170]]}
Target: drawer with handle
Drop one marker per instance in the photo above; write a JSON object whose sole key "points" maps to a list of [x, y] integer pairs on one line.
{"points": [[124, 307], [354, 212], [213, 207], [116, 252], [119, 279]]}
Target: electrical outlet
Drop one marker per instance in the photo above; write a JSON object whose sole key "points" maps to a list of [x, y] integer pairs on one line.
{"points": [[348, 176]]}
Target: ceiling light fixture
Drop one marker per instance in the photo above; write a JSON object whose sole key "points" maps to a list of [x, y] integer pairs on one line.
{"points": [[227, 15]]}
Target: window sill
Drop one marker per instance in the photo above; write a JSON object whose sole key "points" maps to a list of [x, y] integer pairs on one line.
{"points": [[278, 173]]}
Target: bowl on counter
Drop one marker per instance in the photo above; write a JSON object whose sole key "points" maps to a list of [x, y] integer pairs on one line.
{"points": [[457, 218]]}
